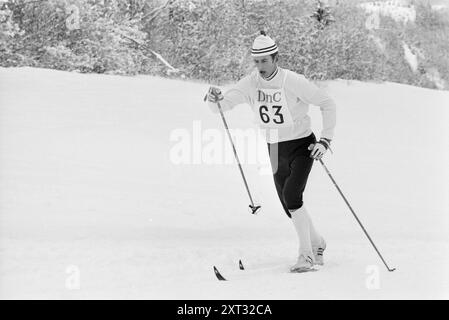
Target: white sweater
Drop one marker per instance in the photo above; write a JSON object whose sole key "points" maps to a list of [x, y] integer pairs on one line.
{"points": [[299, 93]]}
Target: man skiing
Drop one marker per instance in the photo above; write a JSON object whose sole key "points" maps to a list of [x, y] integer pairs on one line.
{"points": [[280, 101]]}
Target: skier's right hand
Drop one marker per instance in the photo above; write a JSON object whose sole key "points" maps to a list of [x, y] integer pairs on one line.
{"points": [[214, 95], [319, 149]]}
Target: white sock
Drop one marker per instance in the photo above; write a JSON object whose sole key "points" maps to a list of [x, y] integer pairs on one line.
{"points": [[315, 237], [302, 225]]}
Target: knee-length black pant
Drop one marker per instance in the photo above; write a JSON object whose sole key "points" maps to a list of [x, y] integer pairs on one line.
{"points": [[291, 164]]}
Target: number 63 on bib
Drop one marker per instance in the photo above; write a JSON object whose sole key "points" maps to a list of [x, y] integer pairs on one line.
{"points": [[272, 108]]}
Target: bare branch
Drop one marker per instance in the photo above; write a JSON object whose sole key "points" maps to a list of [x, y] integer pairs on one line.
{"points": [[155, 12], [157, 55]]}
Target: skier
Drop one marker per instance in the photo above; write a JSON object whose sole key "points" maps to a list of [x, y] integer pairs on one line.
{"points": [[280, 101]]}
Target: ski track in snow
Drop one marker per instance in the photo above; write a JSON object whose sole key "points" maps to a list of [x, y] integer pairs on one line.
{"points": [[86, 184]]}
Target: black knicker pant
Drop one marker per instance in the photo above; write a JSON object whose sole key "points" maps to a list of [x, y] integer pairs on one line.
{"points": [[291, 164]]}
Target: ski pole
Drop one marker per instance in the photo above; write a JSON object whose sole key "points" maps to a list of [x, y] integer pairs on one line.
{"points": [[254, 208], [355, 216]]}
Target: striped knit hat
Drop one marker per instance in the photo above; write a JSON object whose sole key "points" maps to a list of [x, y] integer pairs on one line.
{"points": [[263, 45]]}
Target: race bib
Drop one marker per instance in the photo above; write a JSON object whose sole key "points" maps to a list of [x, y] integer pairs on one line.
{"points": [[272, 108]]}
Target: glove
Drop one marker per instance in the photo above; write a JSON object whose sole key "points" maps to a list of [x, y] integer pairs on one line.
{"points": [[214, 95], [319, 148]]}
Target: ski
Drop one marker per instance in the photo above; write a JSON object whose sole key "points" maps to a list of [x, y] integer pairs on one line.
{"points": [[218, 274], [241, 267], [220, 277], [303, 270]]}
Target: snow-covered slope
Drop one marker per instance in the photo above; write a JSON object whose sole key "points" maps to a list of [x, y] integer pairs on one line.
{"points": [[92, 204]]}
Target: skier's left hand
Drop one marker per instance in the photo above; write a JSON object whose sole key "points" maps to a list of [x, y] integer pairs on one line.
{"points": [[319, 149], [214, 95]]}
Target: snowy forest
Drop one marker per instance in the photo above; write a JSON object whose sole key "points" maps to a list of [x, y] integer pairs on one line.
{"points": [[399, 41]]}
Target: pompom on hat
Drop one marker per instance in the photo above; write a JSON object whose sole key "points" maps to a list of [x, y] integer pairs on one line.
{"points": [[263, 45]]}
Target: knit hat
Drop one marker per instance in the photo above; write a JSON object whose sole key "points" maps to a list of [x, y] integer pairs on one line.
{"points": [[263, 45]]}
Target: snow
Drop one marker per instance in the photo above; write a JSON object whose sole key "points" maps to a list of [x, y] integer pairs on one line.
{"points": [[401, 11], [92, 205], [411, 58]]}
